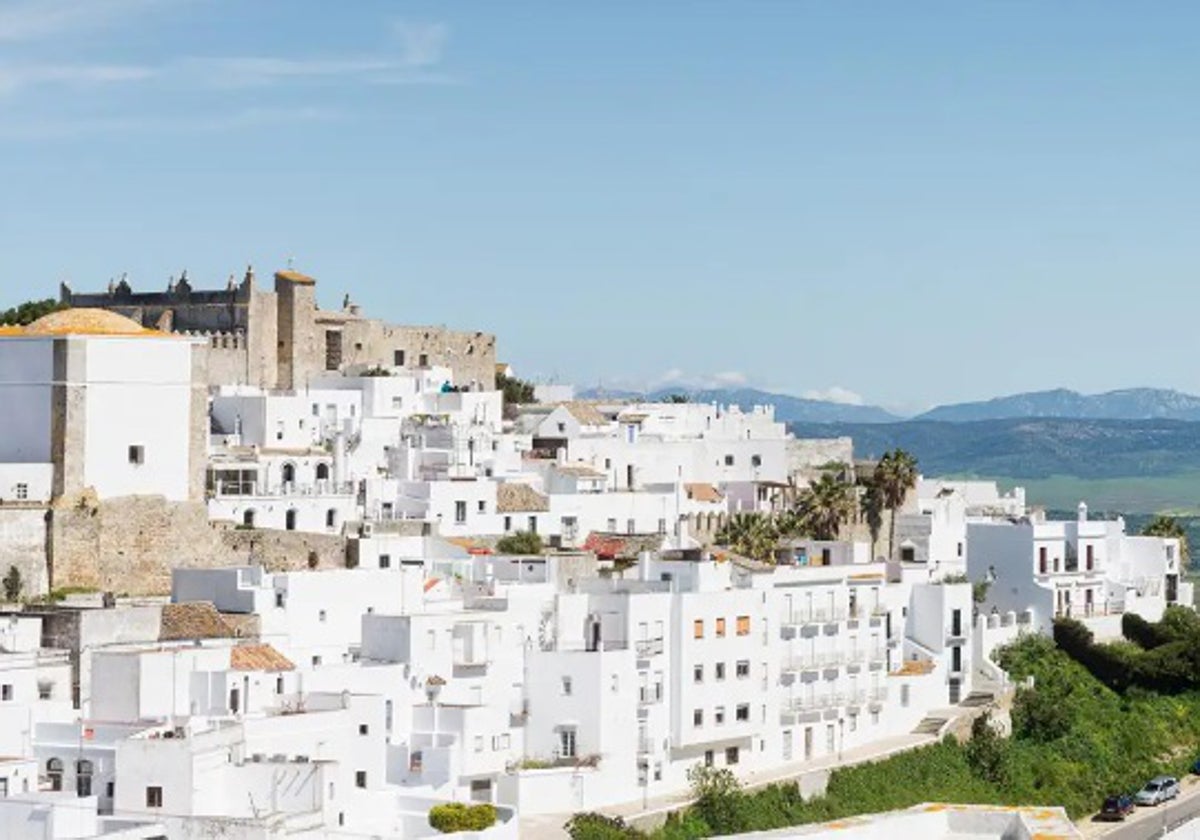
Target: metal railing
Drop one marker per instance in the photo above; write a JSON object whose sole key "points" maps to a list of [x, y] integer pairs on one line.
{"points": [[816, 616], [650, 647]]}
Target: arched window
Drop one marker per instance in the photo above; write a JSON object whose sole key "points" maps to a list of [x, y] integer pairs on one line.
{"points": [[290, 520], [54, 772], [322, 472], [248, 517], [83, 777], [289, 473], [330, 518]]}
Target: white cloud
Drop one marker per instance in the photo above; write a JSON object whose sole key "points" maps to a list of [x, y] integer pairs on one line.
{"points": [[31, 20], [835, 394], [14, 77], [730, 377]]}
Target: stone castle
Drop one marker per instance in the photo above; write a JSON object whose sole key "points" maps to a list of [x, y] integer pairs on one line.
{"points": [[281, 339]]}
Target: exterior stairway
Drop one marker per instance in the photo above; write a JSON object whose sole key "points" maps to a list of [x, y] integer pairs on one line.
{"points": [[931, 726]]}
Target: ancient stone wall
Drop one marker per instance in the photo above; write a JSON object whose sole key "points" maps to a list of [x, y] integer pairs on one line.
{"points": [[23, 544], [129, 545], [470, 355]]}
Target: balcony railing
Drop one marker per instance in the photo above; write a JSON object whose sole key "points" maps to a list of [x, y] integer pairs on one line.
{"points": [[816, 616], [814, 702], [649, 697], [650, 647]]}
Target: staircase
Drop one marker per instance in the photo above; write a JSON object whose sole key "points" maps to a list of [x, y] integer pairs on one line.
{"points": [[931, 726], [978, 699]]}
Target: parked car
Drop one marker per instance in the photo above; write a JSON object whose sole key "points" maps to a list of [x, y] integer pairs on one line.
{"points": [[1116, 807], [1158, 789]]}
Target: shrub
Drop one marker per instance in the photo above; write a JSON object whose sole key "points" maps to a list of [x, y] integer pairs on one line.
{"points": [[1141, 632], [521, 542], [593, 826], [12, 584], [453, 817]]}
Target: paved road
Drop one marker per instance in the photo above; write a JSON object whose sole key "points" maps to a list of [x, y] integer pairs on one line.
{"points": [[1154, 822]]}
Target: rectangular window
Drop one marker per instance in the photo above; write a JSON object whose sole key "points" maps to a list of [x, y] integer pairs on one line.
{"points": [[533, 524], [720, 628], [22, 492], [1091, 552], [697, 718], [566, 743], [630, 527], [423, 360], [481, 506], [698, 673], [507, 524], [612, 525], [719, 715], [743, 669], [731, 755], [333, 349], [566, 686], [1042, 560], [360, 778], [742, 713], [720, 667], [385, 561], [6, 692], [45, 689], [154, 797], [729, 460], [743, 625], [478, 743], [460, 512], [398, 358], [137, 454], [363, 729], [698, 628]]}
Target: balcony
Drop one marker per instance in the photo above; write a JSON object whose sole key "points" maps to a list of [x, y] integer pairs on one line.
{"points": [[804, 618], [816, 702], [650, 647], [650, 696]]}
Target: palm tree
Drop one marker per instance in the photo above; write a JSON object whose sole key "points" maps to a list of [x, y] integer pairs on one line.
{"points": [[1168, 526], [750, 535], [870, 505], [824, 505], [895, 475]]}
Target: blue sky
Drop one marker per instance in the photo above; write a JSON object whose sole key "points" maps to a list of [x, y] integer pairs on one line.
{"points": [[907, 203]]}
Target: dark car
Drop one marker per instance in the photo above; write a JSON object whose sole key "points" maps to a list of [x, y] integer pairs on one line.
{"points": [[1116, 807]]}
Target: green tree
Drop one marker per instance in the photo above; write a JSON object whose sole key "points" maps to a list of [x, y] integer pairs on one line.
{"points": [[751, 535], [870, 506], [520, 542], [895, 475], [516, 392], [824, 506], [677, 399], [593, 826], [12, 584], [718, 797], [30, 311], [1168, 526]]}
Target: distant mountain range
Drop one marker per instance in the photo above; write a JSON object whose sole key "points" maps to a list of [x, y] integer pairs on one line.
{"points": [[1029, 447], [1126, 404], [787, 408]]}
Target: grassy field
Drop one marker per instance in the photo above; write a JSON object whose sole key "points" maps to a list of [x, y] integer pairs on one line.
{"points": [[1175, 494]]}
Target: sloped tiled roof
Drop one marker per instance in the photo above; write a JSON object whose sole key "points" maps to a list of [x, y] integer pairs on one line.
{"points": [[703, 492], [580, 469], [913, 668], [294, 277], [515, 497], [585, 413], [621, 546], [192, 620], [258, 658]]}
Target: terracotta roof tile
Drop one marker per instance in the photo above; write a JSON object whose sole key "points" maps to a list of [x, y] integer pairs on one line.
{"points": [[585, 413], [703, 492], [294, 277], [515, 497], [258, 658], [192, 620]]}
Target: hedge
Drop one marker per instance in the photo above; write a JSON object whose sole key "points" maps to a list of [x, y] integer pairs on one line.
{"points": [[453, 817]]}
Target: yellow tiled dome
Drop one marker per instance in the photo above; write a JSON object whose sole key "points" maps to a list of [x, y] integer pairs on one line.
{"points": [[83, 322]]}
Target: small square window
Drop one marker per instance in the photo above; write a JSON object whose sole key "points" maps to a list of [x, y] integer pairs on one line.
{"points": [[566, 686], [363, 729], [423, 360], [756, 460], [22, 492], [719, 715], [697, 718], [743, 712], [481, 506], [321, 616], [6, 691], [385, 561], [45, 690], [137, 454], [743, 625], [729, 460], [360, 778], [743, 668], [731, 755], [154, 797]]}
